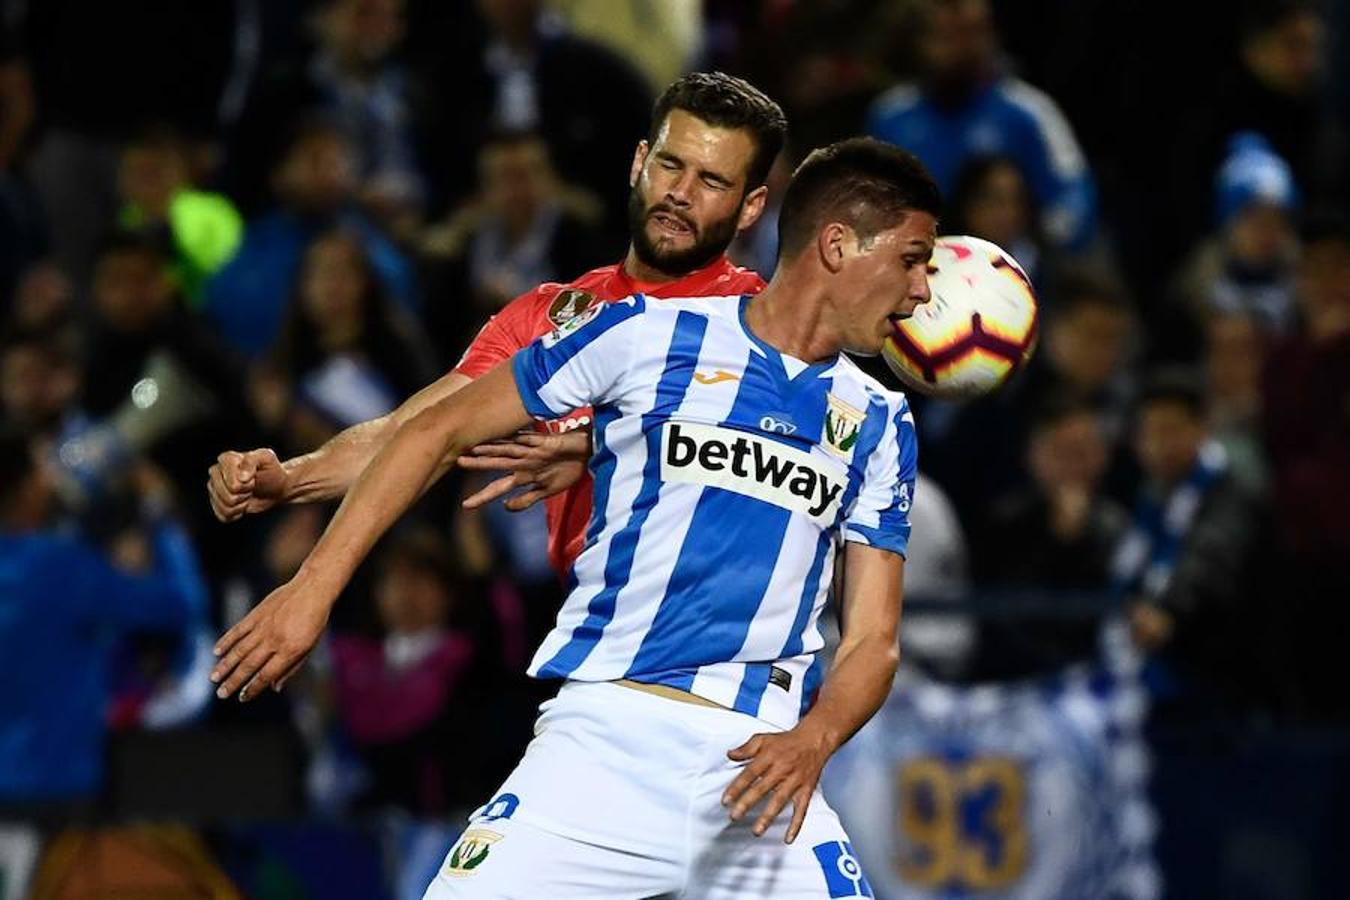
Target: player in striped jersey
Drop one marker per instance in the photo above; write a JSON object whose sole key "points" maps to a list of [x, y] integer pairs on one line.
{"points": [[697, 180], [736, 452]]}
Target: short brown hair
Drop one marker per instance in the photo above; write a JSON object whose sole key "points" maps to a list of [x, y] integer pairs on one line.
{"points": [[865, 183]]}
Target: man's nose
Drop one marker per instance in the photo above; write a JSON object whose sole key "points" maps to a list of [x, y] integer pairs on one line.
{"points": [[681, 189]]}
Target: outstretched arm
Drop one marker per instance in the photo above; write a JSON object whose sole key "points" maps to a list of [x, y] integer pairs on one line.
{"points": [[242, 483], [787, 765], [570, 368], [268, 643]]}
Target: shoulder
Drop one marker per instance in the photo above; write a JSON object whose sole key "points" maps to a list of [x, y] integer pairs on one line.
{"points": [[873, 390], [742, 281], [716, 317], [715, 307], [56, 553], [900, 100], [593, 279], [1028, 102], [537, 303], [596, 319]]}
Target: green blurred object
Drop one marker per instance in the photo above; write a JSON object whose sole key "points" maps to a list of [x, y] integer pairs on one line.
{"points": [[206, 230]]}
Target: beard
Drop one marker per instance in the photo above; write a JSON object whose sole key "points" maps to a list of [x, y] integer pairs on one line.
{"points": [[708, 244]]}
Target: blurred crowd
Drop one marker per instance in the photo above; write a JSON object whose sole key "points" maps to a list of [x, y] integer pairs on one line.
{"points": [[233, 224]]}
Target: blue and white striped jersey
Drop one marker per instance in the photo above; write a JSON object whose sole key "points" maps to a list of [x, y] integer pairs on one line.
{"points": [[725, 476]]}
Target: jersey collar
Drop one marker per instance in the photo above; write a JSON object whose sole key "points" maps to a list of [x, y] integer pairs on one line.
{"points": [[774, 356], [695, 284]]}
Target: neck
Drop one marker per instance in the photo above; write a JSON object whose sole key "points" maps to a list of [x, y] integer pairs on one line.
{"points": [[638, 270], [339, 336], [353, 65], [791, 315], [519, 39]]}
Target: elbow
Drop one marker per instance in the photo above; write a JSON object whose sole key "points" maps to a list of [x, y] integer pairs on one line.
{"points": [[881, 651], [890, 658], [440, 428]]}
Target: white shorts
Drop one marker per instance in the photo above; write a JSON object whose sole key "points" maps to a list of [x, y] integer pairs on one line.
{"points": [[619, 796]]}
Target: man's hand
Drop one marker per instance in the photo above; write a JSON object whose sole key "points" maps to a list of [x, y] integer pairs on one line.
{"points": [[785, 767], [266, 646], [245, 483], [543, 464]]}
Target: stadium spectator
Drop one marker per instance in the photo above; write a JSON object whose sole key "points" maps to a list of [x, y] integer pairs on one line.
{"points": [[353, 77], [137, 314], [64, 606], [1236, 348], [1307, 431], [1057, 536], [43, 299], [1247, 265], [756, 248], [965, 103], [524, 229], [198, 230], [1060, 531], [991, 199], [39, 381], [976, 451], [346, 353], [1306, 388], [316, 185], [396, 694], [191, 392], [524, 72], [1186, 566]]}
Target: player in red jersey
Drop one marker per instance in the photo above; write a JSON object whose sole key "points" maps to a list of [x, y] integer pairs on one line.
{"points": [[697, 180]]}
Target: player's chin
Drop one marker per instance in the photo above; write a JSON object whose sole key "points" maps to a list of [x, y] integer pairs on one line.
{"points": [[867, 346]]}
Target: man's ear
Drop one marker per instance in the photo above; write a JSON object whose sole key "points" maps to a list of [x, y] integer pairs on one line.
{"points": [[639, 160], [832, 244], [752, 207]]}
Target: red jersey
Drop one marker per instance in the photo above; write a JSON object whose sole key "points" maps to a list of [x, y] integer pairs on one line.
{"points": [[548, 306]]}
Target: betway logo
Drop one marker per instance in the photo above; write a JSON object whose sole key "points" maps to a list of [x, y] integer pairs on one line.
{"points": [[750, 465]]}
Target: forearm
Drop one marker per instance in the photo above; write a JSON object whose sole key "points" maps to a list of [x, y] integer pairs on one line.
{"points": [[328, 472], [854, 689], [418, 453]]}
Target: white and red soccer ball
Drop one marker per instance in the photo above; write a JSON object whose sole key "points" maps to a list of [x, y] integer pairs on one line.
{"points": [[978, 329]]}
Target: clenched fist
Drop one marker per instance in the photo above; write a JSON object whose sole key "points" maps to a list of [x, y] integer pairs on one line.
{"points": [[245, 483]]}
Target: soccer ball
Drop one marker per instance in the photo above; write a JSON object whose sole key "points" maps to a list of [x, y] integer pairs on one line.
{"points": [[977, 330]]}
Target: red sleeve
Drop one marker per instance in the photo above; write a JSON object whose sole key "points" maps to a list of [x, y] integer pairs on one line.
{"points": [[505, 333]]}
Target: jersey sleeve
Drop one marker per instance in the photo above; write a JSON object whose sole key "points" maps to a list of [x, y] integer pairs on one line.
{"points": [[1055, 166], [504, 334], [582, 363], [165, 598], [880, 517]]}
